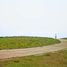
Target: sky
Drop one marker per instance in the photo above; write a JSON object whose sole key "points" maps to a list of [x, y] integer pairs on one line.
{"points": [[33, 18]]}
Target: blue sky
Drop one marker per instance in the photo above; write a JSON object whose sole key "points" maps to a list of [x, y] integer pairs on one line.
{"points": [[33, 18]]}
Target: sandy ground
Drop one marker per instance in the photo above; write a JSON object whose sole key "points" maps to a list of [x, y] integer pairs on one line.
{"points": [[4, 54]]}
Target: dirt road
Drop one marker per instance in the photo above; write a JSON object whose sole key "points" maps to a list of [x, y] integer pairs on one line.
{"points": [[4, 54]]}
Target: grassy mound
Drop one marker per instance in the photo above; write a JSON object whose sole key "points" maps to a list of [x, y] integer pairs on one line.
{"points": [[25, 42], [58, 59]]}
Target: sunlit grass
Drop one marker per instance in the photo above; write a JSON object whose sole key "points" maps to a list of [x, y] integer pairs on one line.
{"points": [[25, 42]]}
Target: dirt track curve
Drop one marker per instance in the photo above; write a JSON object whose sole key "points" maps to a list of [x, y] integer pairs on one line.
{"points": [[4, 54]]}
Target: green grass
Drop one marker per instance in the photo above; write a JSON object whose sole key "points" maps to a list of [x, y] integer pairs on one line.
{"points": [[57, 59], [25, 42]]}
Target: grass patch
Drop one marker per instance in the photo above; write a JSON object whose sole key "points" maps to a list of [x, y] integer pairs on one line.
{"points": [[25, 42], [57, 59]]}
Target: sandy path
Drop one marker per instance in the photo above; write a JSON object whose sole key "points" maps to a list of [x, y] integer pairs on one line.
{"points": [[32, 51]]}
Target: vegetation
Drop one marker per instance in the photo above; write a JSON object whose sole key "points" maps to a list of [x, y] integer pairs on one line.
{"points": [[57, 59], [25, 42], [64, 38]]}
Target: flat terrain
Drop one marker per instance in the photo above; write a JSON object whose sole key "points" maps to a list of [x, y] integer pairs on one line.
{"points": [[25, 42], [55, 59], [45, 56], [32, 51], [64, 38]]}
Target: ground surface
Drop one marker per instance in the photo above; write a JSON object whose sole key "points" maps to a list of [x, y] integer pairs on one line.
{"points": [[55, 59], [32, 51]]}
